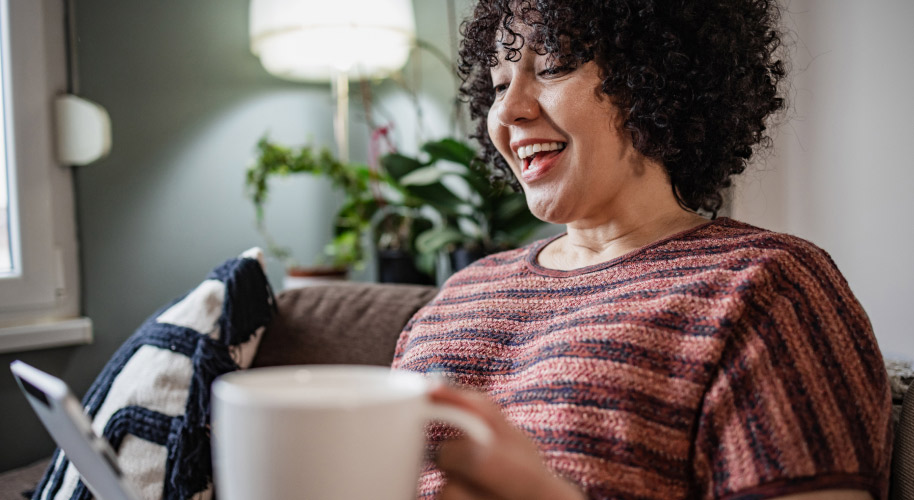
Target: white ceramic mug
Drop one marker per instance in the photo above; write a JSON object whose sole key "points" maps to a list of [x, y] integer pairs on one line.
{"points": [[334, 432]]}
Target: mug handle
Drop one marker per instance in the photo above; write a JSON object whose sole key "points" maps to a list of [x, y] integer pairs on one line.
{"points": [[472, 425]]}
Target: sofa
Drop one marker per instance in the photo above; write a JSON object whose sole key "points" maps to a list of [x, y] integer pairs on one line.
{"points": [[359, 323], [336, 323]]}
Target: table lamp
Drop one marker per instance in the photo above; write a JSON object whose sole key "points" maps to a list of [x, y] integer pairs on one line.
{"points": [[332, 40]]}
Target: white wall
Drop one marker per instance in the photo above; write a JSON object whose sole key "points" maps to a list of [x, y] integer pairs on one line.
{"points": [[842, 174]]}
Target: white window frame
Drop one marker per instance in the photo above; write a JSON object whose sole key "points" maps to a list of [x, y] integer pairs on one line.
{"points": [[39, 305]]}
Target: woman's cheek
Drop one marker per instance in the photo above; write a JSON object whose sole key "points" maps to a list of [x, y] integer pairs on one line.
{"points": [[501, 139], [492, 125]]}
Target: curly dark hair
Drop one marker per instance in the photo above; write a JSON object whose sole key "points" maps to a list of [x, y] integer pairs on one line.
{"points": [[696, 80]]}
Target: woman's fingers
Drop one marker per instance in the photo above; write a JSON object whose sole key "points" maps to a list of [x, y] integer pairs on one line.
{"points": [[474, 402], [463, 459], [508, 469]]}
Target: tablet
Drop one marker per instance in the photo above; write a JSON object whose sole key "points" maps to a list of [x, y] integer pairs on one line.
{"points": [[65, 420]]}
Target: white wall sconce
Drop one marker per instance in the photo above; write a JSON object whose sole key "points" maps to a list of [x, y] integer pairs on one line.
{"points": [[83, 130], [331, 41]]}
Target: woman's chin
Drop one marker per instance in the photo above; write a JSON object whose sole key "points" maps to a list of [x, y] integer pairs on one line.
{"points": [[546, 210]]}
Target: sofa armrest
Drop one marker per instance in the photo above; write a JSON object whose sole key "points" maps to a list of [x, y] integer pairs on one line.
{"points": [[902, 483], [14, 483], [340, 323]]}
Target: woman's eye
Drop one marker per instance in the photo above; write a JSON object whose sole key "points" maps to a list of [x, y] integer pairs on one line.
{"points": [[500, 88], [552, 71]]}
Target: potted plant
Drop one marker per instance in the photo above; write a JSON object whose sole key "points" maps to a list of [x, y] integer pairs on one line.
{"points": [[415, 208], [352, 220], [475, 216], [395, 230]]}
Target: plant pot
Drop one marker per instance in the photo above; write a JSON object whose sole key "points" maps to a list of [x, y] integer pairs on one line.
{"points": [[397, 266], [462, 257], [298, 277]]}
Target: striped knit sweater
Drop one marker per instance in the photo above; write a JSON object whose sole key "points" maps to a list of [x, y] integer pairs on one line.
{"points": [[722, 362]]}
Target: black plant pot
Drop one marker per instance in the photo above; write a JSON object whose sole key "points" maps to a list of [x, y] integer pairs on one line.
{"points": [[462, 257], [396, 266]]}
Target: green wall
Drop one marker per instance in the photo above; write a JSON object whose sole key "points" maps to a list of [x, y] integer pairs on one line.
{"points": [[188, 102]]}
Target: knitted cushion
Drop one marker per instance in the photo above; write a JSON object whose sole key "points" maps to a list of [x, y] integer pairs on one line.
{"points": [[152, 399], [903, 455]]}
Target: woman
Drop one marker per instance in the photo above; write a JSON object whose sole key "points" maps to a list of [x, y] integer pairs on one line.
{"points": [[648, 352]]}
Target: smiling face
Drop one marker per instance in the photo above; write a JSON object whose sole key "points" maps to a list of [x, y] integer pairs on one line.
{"points": [[561, 137]]}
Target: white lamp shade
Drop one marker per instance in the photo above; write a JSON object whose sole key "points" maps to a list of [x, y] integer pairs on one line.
{"points": [[314, 40]]}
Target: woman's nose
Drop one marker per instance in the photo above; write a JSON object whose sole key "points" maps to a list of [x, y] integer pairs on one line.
{"points": [[519, 104]]}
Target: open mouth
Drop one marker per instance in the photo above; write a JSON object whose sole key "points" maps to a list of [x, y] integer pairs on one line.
{"points": [[531, 155]]}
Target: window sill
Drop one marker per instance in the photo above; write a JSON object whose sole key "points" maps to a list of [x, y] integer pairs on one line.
{"points": [[76, 331]]}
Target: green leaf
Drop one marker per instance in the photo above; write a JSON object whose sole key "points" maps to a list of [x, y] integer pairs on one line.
{"points": [[362, 172], [509, 207], [397, 165], [518, 229], [437, 238], [425, 262], [470, 227], [480, 183], [422, 176], [450, 150], [345, 249], [438, 196]]}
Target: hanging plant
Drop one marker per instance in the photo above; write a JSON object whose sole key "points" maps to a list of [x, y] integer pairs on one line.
{"points": [[353, 179]]}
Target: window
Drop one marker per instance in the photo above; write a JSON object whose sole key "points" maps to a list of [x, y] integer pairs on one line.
{"points": [[39, 301], [6, 262]]}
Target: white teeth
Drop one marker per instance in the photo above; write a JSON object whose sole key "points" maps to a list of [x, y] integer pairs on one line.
{"points": [[525, 151]]}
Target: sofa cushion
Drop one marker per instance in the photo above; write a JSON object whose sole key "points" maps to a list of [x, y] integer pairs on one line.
{"points": [[340, 323], [152, 399], [17, 484]]}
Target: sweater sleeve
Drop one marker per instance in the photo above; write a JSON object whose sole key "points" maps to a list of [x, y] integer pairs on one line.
{"points": [[800, 400]]}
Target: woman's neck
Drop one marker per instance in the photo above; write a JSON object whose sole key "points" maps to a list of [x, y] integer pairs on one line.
{"points": [[589, 244]]}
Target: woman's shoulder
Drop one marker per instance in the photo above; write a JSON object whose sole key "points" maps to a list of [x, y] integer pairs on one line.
{"points": [[785, 275], [742, 234], [754, 265], [755, 246]]}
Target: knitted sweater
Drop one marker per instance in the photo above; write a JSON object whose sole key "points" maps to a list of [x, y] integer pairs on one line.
{"points": [[723, 362]]}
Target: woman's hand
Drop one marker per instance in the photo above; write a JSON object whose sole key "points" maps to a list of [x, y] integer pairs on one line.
{"points": [[508, 468]]}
